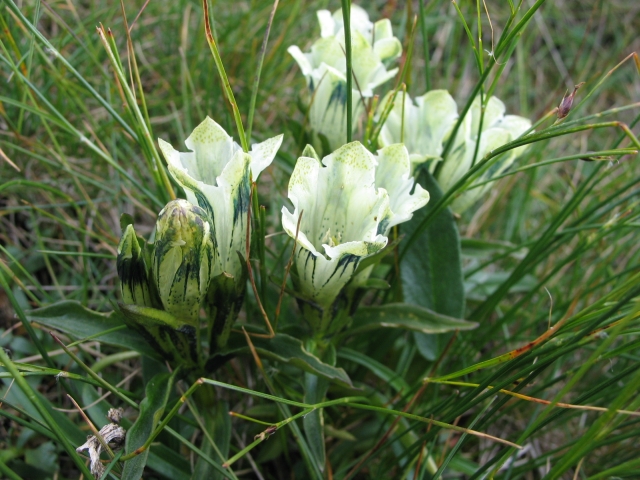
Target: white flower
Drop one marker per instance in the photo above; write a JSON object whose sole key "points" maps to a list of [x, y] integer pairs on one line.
{"points": [[346, 214], [216, 175], [497, 129], [372, 46], [425, 124]]}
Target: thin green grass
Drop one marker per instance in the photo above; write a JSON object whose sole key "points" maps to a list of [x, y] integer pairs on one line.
{"points": [[550, 256]]}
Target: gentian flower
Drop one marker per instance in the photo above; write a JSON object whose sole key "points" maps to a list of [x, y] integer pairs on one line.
{"points": [[346, 217], [183, 259], [216, 176], [163, 303], [497, 129], [373, 46], [425, 124]]}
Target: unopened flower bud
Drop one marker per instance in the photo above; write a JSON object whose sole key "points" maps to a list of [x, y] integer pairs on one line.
{"points": [[132, 270], [567, 102], [183, 258]]}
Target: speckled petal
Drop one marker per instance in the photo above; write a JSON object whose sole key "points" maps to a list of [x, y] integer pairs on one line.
{"points": [[262, 154], [394, 175]]}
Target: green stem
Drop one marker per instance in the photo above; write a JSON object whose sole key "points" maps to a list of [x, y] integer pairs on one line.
{"points": [[256, 82], [425, 45], [164, 422], [223, 76], [52, 50], [346, 18], [53, 426], [25, 322], [94, 375]]}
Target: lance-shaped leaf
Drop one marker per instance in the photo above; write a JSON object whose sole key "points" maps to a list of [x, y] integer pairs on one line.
{"points": [[182, 259], [176, 341], [421, 125], [151, 410], [70, 317], [408, 317], [287, 349], [216, 175]]}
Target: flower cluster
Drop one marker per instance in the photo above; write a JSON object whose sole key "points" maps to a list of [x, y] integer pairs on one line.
{"points": [[344, 206], [198, 255], [324, 67], [424, 125]]}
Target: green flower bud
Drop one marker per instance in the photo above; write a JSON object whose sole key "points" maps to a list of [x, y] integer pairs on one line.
{"points": [[183, 259], [132, 271]]}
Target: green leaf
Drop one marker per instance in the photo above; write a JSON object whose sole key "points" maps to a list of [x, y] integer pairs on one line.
{"points": [[161, 458], [72, 318], [376, 284], [408, 317], [151, 410], [430, 268], [474, 247], [217, 421], [170, 337], [381, 371], [315, 390], [43, 457], [286, 349]]}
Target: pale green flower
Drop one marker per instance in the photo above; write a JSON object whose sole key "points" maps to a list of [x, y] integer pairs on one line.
{"points": [[426, 123], [497, 129], [373, 46], [216, 175], [183, 259], [346, 215]]}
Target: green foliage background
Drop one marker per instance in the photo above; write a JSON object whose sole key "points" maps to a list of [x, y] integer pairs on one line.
{"points": [[551, 244]]}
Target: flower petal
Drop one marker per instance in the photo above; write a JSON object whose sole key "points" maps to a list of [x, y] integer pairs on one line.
{"points": [[359, 19], [303, 195], [226, 202], [515, 125], [328, 110], [387, 49], [493, 113], [230, 203], [490, 140], [329, 50], [302, 59], [437, 113], [328, 25], [426, 123], [212, 147], [262, 154], [393, 174]]}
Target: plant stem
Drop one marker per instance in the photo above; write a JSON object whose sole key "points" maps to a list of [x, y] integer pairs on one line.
{"points": [[223, 76], [346, 18]]}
